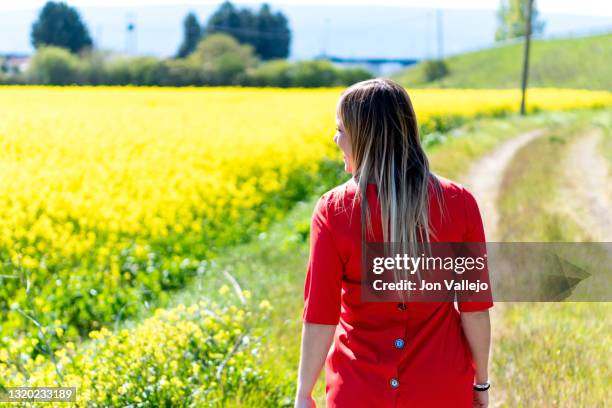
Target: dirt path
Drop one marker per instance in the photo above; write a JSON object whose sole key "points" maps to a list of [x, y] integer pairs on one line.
{"points": [[485, 176], [484, 180], [586, 189]]}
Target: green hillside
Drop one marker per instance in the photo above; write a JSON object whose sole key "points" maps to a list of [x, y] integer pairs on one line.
{"points": [[570, 63]]}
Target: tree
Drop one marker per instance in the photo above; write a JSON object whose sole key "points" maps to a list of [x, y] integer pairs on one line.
{"points": [[60, 25], [272, 73], [229, 20], [223, 60], [192, 34], [267, 32], [275, 37], [512, 16], [435, 69], [313, 73], [54, 66]]}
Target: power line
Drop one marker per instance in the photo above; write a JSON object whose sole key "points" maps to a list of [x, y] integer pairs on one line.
{"points": [[284, 35], [248, 31]]}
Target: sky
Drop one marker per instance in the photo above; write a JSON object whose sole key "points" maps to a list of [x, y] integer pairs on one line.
{"points": [[344, 28], [578, 7]]}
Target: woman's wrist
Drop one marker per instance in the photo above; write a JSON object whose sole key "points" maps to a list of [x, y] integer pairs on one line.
{"points": [[303, 393], [481, 378], [482, 386]]}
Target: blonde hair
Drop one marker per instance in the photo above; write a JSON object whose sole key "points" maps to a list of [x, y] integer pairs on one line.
{"points": [[379, 119]]}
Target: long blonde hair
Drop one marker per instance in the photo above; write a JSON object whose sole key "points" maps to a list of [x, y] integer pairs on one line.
{"points": [[378, 117]]}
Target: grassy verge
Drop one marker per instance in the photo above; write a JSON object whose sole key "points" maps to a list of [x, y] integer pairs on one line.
{"points": [[549, 354], [552, 355], [605, 123], [527, 205]]}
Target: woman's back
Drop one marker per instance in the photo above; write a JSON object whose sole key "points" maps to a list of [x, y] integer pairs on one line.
{"points": [[402, 351], [387, 354]]}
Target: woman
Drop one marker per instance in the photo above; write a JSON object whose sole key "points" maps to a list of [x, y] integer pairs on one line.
{"points": [[418, 354]]}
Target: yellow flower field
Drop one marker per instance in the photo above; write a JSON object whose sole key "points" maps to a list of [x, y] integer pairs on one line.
{"points": [[111, 196], [83, 162]]}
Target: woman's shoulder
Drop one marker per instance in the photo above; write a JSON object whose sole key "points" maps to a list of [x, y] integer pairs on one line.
{"points": [[338, 199], [448, 186], [346, 189], [452, 189], [459, 206]]}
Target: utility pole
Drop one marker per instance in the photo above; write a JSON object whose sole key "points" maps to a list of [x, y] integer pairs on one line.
{"points": [[440, 34], [98, 40], [526, 55], [325, 37], [130, 33]]}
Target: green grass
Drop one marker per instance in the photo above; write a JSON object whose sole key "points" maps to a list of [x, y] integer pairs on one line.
{"points": [[552, 355], [568, 63], [528, 189], [605, 123], [549, 354]]}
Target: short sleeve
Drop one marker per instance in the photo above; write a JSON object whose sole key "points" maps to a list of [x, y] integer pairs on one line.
{"points": [[323, 285], [474, 232]]}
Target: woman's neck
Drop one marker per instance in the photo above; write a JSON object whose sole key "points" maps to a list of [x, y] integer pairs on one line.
{"points": [[371, 179]]}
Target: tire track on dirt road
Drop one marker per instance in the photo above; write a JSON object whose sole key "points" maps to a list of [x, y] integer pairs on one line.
{"points": [[586, 189], [485, 176]]}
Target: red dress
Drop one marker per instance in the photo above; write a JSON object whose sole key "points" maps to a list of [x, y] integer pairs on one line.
{"points": [[388, 354]]}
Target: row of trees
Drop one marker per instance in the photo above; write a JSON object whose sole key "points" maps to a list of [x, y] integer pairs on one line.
{"points": [[235, 47], [267, 32], [218, 60], [60, 25]]}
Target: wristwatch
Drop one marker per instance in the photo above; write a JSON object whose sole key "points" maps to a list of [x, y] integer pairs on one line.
{"points": [[482, 386]]}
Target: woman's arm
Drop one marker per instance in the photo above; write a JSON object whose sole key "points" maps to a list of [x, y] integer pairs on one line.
{"points": [[316, 341], [477, 329]]}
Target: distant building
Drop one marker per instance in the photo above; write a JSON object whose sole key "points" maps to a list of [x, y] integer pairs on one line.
{"points": [[14, 63]]}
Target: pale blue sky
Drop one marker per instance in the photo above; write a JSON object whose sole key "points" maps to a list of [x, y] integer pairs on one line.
{"points": [[581, 7], [347, 28]]}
